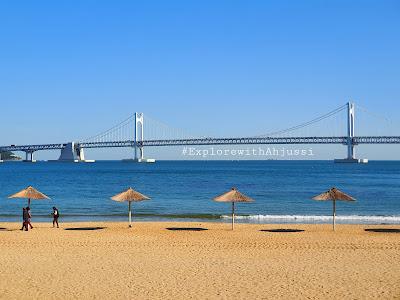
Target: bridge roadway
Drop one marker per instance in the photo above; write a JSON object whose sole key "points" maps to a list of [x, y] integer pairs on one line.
{"points": [[212, 141]]}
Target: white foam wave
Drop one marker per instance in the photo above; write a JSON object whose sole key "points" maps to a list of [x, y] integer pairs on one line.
{"points": [[349, 219]]}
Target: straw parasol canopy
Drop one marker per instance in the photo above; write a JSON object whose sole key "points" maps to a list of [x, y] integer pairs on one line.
{"points": [[233, 196], [30, 193], [130, 195], [334, 195]]}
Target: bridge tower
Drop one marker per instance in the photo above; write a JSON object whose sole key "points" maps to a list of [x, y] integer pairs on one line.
{"points": [[350, 130], [351, 153], [138, 139], [139, 124]]}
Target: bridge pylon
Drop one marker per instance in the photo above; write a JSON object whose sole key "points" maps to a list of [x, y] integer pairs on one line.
{"points": [[138, 139], [351, 153]]}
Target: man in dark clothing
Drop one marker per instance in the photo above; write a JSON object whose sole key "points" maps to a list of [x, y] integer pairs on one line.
{"points": [[24, 219], [56, 215]]}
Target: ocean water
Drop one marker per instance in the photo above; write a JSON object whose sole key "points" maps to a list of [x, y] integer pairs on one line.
{"points": [[183, 190]]}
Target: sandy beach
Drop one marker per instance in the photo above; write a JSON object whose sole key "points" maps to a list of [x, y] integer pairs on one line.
{"points": [[149, 261]]}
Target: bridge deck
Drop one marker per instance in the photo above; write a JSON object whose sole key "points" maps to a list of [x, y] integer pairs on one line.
{"points": [[212, 141]]}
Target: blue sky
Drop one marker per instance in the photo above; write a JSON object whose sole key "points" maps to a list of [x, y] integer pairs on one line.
{"points": [[70, 69]]}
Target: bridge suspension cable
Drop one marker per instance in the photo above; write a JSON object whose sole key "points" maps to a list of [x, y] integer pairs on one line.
{"points": [[122, 131], [155, 129], [152, 129], [374, 115], [305, 124], [372, 123]]}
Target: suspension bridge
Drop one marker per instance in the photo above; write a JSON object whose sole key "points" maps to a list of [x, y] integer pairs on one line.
{"points": [[132, 133]]}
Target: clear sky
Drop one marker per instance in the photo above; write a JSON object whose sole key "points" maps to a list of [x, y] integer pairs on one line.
{"points": [[70, 69]]}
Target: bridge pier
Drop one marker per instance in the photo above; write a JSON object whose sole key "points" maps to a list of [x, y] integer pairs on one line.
{"points": [[351, 153], [0, 158], [29, 157], [141, 153], [72, 152]]}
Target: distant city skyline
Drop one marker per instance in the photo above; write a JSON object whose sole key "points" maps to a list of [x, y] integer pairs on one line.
{"points": [[71, 70]]}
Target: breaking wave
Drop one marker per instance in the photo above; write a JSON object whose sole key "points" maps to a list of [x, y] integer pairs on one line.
{"points": [[349, 219]]}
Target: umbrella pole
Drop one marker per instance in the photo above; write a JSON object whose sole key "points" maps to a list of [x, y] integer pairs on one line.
{"points": [[130, 214], [233, 215], [334, 213], [29, 202]]}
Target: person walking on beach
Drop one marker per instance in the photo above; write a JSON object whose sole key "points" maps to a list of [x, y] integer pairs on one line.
{"points": [[24, 219], [28, 222], [56, 215]]}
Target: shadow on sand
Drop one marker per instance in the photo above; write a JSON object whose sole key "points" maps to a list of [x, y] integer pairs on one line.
{"points": [[84, 228], [282, 230], [7, 229], [387, 230], [186, 228]]}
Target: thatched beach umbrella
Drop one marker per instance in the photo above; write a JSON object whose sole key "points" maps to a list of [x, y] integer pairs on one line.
{"points": [[233, 196], [333, 195], [130, 195], [30, 193]]}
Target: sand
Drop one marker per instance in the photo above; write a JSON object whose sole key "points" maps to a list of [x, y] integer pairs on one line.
{"points": [[151, 262]]}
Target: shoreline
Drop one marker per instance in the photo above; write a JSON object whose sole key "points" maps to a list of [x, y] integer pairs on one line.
{"points": [[324, 227], [191, 260], [240, 219], [212, 224]]}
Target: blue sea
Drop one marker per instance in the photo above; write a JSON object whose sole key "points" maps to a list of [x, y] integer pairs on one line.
{"points": [[183, 190]]}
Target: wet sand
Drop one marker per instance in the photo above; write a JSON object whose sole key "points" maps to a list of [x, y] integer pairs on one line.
{"points": [[148, 261]]}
